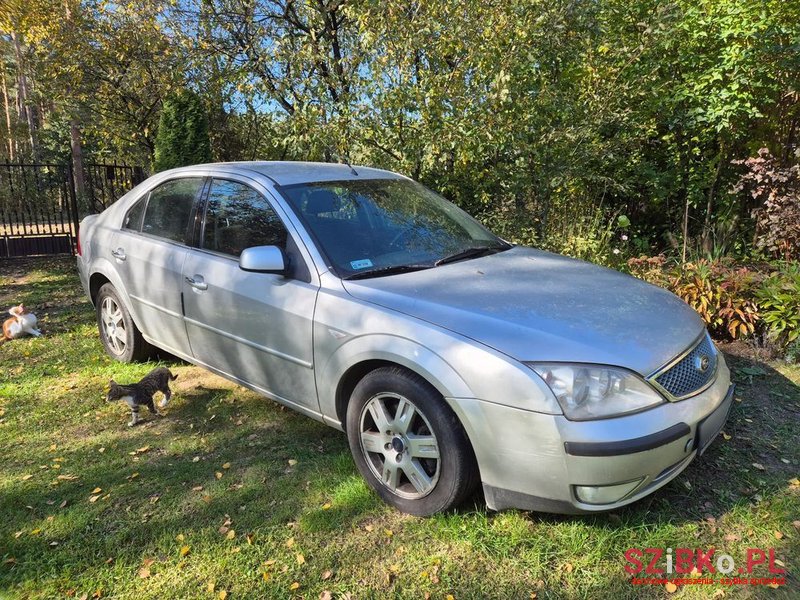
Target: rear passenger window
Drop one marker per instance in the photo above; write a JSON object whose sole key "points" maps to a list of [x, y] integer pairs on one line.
{"points": [[169, 208], [238, 217]]}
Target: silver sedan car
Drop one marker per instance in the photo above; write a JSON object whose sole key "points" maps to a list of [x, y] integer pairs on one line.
{"points": [[449, 357]]}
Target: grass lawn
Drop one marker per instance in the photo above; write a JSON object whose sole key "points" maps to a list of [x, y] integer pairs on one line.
{"points": [[231, 495]]}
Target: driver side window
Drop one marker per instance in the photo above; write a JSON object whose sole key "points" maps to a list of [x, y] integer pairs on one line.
{"points": [[238, 217]]}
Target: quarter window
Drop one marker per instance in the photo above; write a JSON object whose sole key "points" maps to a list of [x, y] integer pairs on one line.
{"points": [[170, 207], [133, 220], [238, 217]]}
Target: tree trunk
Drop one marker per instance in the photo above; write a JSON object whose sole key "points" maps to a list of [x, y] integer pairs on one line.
{"points": [[77, 159], [24, 108], [706, 240], [9, 136]]}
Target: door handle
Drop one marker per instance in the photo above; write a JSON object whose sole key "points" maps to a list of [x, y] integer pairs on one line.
{"points": [[119, 254], [197, 282]]}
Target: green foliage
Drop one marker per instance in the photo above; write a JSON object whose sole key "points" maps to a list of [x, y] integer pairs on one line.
{"points": [[182, 137], [734, 301], [779, 299]]}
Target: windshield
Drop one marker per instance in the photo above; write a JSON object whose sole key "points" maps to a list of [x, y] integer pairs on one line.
{"points": [[377, 227]]}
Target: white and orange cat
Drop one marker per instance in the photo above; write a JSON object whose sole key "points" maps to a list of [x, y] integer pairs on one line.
{"points": [[22, 322]]}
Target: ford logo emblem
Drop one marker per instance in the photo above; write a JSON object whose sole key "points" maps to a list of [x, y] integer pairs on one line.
{"points": [[702, 363]]}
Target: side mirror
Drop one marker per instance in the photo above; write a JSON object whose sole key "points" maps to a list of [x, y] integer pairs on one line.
{"points": [[263, 259]]}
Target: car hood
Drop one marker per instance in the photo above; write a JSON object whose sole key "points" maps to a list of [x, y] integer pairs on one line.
{"points": [[537, 306]]}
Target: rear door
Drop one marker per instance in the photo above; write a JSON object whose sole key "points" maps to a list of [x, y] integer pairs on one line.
{"points": [[149, 252], [255, 327]]}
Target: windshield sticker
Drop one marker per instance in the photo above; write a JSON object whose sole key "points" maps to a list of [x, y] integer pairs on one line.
{"points": [[360, 264]]}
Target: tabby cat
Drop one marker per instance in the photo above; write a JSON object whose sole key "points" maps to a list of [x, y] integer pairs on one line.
{"points": [[141, 394]]}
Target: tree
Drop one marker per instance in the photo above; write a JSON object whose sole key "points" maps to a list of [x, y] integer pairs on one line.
{"points": [[182, 137]]}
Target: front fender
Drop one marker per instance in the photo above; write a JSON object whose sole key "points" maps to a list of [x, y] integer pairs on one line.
{"points": [[390, 348]]}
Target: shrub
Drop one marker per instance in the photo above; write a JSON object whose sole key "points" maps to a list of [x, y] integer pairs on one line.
{"points": [[779, 299], [182, 137], [722, 294], [776, 188]]}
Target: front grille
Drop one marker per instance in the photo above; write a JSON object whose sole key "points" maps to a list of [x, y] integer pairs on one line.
{"points": [[687, 376]]}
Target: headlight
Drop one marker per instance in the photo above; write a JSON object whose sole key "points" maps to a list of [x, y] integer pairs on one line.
{"points": [[593, 391]]}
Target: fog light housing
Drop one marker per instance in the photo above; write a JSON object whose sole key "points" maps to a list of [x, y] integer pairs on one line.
{"points": [[605, 494]]}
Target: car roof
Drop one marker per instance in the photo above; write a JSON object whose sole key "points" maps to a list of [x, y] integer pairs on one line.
{"points": [[293, 172]]}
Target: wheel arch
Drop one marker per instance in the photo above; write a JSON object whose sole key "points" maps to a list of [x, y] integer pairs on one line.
{"points": [[355, 359]]}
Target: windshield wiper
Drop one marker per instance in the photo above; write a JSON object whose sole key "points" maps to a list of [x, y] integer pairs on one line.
{"points": [[472, 252], [383, 271]]}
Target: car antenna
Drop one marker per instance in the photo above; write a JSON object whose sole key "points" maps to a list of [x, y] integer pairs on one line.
{"points": [[345, 161]]}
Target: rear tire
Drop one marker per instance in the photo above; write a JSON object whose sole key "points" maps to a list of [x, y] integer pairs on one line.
{"points": [[408, 444], [119, 335]]}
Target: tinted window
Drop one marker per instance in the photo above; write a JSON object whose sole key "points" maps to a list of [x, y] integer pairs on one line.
{"points": [[133, 220], [169, 208], [238, 217]]}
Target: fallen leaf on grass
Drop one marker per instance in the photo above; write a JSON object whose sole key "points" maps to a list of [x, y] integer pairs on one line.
{"points": [[796, 524], [210, 587], [327, 575], [301, 560], [179, 537], [144, 573], [67, 477], [97, 490], [222, 595], [36, 531], [231, 534], [265, 576], [778, 535], [294, 586], [759, 466], [325, 595], [94, 499], [670, 587], [327, 506], [185, 550], [132, 476], [197, 488], [26, 477], [226, 466], [249, 538], [292, 462], [196, 459], [218, 475], [290, 542], [726, 437]]}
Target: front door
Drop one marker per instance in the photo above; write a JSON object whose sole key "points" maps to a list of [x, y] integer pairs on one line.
{"points": [[255, 327]]}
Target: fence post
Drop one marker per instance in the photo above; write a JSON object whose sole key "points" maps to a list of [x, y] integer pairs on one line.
{"points": [[73, 200]]}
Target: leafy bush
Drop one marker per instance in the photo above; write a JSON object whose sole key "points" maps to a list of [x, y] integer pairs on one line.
{"points": [[723, 294], [776, 187], [779, 299], [182, 137]]}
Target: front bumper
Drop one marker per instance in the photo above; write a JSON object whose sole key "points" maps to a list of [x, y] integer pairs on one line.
{"points": [[540, 462]]}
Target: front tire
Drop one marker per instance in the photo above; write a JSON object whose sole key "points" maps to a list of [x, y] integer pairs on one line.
{"points": [[408, 444], [121, 338]]}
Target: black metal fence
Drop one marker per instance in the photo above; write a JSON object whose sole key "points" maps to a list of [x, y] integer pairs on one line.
{"points": [[40, 209]]}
